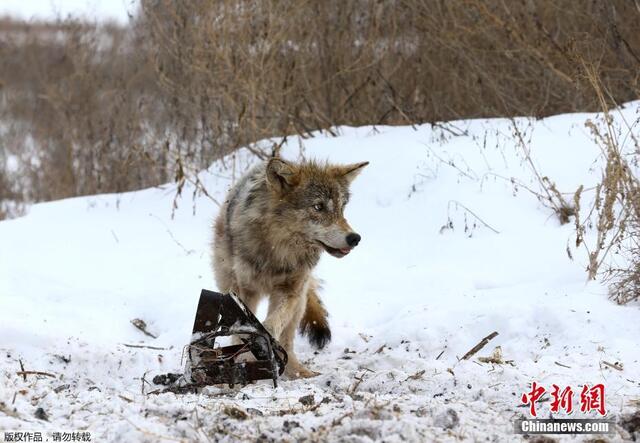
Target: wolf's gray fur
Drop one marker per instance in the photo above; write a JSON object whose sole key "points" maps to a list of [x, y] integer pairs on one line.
{"points": [[269, 235]]}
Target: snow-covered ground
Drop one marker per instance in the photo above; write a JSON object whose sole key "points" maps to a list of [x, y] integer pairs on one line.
{"points": [[452, 250]]}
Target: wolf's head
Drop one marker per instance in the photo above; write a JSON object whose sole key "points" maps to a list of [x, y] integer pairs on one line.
{"points": [[310, 200]]}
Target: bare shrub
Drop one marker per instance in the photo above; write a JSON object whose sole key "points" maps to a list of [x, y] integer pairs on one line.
{"points": [[77, 102], [10, 199], [5, 191], [615, 213], [548, 194], [109, 109], [244, 65]]}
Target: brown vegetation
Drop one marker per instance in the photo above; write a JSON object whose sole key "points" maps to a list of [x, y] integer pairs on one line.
{"points": [[616, 208], [93, 109]]}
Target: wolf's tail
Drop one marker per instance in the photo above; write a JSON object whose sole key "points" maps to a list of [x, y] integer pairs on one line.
{"points": [[314, 323]]}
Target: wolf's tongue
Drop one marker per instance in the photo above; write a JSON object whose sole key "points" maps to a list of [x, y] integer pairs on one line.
{"points": [[345, 251]]}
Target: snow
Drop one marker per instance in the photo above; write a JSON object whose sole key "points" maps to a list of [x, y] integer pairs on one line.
{"points": [[428, 281]]}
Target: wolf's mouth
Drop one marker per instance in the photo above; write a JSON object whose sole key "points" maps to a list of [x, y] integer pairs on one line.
{"points": [[338, 253]]}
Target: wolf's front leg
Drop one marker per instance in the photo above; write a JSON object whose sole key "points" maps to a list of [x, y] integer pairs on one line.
{"points": [[251, 300], [294, 368], [282, 321], [281, 308]]}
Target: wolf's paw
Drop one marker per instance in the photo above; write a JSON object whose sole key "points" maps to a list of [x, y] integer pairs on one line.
{"points": [[319, 335], [294, 372]]}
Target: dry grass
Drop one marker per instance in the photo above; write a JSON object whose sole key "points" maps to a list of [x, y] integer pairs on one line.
{"points": [[616, 209]]}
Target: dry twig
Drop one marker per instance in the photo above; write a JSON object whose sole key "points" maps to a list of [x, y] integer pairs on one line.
{"points": [[480, 345]]}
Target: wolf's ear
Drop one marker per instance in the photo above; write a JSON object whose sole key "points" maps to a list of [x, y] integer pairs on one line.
{"points": [[350, 172], [281, 175]]}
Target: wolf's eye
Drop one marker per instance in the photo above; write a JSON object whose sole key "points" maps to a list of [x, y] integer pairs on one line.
{"points": [[318, 207]]}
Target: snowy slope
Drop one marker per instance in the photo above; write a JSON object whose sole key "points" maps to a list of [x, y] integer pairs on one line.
{"points": [[428, 281]]}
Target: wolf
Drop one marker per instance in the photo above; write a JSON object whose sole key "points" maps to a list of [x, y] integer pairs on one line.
{"points": [[268, 237]]}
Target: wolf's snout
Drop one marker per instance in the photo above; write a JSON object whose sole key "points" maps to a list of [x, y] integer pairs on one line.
{"points": [[353, 239]]}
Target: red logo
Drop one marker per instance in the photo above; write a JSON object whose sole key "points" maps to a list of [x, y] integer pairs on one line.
{"points": [[591, 398], [532, 397], [562, 400]]}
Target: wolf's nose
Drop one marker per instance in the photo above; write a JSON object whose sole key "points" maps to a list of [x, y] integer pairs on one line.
{"points": [[353, 239]]}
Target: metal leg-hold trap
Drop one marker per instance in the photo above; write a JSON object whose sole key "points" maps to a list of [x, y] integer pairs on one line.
{"points": [[258, 356]]}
